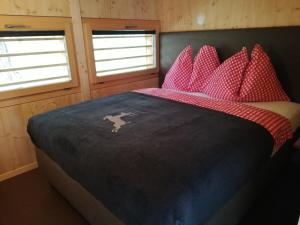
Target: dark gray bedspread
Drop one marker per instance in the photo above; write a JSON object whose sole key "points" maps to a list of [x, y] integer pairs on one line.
{"points": [[170, 164]]}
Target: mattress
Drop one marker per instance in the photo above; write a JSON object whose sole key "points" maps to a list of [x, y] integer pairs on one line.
{"points": [[289, 110], [130, 167]]}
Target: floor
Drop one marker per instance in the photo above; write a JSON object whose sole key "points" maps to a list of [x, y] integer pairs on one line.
{"points": [[29, 200], [280, 203]]}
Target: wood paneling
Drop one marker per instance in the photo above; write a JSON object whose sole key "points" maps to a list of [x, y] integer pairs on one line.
{"points": [[17, 153], [80, 49], [120, 9], [178, 15], [16, 149], [35, 7], [116, 89]]}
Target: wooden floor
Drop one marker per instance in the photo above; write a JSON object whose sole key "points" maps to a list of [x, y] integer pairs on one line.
{"points": [[29, 200]]}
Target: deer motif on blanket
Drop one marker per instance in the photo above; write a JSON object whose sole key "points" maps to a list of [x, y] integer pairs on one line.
{"points": [[117, 120]]}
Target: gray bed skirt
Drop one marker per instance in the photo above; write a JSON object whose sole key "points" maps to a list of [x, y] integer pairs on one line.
{"points": [[97, 214]]}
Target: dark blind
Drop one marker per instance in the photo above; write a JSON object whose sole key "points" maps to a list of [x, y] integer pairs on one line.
{"points": [[31, 33], [120, 32]]}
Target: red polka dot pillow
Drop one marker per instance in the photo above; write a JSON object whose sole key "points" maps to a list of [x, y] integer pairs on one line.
{"points": [[205, 63], [179, 75], [225, 82], [260, 82]]}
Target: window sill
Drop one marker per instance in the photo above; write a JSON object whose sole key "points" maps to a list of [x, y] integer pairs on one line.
{"points": [[38, 96], [123, 79]]}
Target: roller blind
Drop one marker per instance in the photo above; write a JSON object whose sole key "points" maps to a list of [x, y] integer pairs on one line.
{"points": [[117, 52], [33, 58]]}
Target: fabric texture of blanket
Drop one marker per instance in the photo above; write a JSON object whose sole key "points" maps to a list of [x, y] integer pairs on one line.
{"points": [[150, 160]]}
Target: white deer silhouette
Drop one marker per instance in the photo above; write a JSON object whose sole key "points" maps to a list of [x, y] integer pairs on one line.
{"points": [[117, 121]]}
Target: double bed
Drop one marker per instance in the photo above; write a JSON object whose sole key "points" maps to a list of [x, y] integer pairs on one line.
{"points": [[167, 158]]}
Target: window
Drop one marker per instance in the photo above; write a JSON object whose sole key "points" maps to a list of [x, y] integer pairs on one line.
{"points": [[36, 55], [33, 58], [117, 52], [121, 49]]}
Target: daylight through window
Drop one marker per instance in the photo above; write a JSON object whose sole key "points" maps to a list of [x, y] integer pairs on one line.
{"points": [[117, 52], [33, 58]]}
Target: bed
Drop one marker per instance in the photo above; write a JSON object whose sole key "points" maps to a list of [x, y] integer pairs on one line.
{"points": [[149, 169]]}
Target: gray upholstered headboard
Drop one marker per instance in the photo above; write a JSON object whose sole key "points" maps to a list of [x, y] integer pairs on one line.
{"points": [[281, 43]]}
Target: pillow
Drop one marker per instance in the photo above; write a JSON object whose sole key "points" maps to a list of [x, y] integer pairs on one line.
{"points": [[260, 82], [225, 82], [205, 63], [179, 75]]}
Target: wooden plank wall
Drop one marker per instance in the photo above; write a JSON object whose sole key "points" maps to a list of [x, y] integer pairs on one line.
{"points": [[122, 9], [178, 15], [35, 7], [16, 150]]}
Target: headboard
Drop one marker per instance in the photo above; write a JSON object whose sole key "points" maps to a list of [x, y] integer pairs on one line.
{"points": [[281, 43]]}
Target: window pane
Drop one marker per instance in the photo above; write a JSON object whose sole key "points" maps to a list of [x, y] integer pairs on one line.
{"points": [[32, 74], [28, 61], [121, 53], [119, 71], [34, 84], [114, 64], [108, 41], [31, 46], [32, 60], [115, 53]]}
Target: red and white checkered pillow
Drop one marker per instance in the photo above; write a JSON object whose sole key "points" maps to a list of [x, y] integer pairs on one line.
{"points": [[260, 81], [179, 75], [205, 63], [226, 80]]}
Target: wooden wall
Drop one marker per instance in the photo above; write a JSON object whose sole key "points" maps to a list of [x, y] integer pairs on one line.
{"points": [[178, 15], [16, 150], [122, 9], [35, 7]]}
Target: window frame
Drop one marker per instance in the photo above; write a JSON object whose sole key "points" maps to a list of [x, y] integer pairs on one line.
{"points": [[90, 24], [27, 23]]}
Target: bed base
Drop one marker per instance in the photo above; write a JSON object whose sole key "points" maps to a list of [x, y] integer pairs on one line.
{"points": [[97, 214], [85, 203], [238, 206]]}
